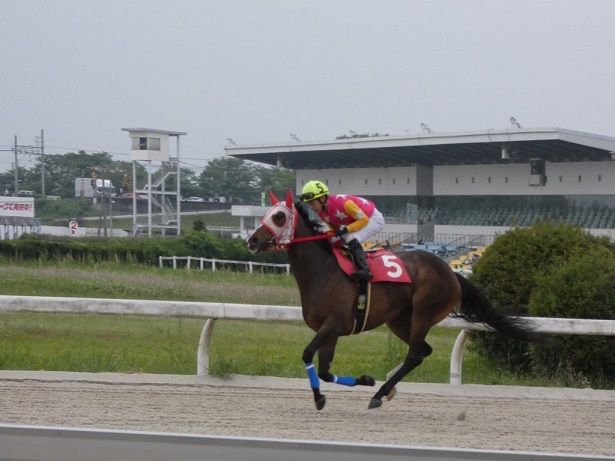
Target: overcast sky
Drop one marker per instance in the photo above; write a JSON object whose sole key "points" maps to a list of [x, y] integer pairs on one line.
{"points": [[257, 70]]}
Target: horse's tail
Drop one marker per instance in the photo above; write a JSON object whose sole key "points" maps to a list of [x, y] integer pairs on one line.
{"points": [[476, 308]]}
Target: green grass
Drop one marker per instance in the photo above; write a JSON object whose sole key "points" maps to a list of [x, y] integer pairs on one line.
{"points": [[95, 343], [129, 344], [111, 280]]}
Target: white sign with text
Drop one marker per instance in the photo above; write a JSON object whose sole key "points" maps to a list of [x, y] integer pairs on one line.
{"points": [[21, 207]]}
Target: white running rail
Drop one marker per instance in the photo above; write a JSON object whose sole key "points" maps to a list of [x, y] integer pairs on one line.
{"points": [[214, 263], [215, 311]]}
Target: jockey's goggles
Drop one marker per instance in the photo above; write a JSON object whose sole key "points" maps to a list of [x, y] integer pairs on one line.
{"points": [[307, 196]]}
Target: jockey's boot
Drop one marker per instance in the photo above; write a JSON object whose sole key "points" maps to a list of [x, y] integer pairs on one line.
{"points": [[363, 272]]}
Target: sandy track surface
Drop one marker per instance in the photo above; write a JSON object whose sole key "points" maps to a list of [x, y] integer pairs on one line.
{"points": [[468, 416]]}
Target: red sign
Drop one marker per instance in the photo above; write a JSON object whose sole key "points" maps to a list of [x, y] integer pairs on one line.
{"points": [[74, 227]]}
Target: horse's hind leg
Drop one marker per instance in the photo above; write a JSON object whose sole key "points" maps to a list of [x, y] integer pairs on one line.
{"points": [[401, 326], [427, 350], [325, 357], [419, 349]]}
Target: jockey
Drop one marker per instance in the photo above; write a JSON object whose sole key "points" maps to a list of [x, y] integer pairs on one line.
{"points": [[354, 219]]}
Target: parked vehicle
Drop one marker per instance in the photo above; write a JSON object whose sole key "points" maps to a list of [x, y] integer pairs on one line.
{"points": [[131, 194]]}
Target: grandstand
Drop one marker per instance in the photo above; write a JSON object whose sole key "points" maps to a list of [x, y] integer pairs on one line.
{"points": [[439, 187], [591, 217]]}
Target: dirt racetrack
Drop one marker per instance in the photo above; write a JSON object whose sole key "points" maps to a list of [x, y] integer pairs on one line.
{"points": [[468, 416]]}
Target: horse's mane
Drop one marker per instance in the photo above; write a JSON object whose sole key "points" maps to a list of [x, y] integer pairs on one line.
{"points": [[315, 225]]}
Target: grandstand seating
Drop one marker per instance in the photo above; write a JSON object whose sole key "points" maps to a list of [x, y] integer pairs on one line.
{"points": [[590, 217], [464, 262]]}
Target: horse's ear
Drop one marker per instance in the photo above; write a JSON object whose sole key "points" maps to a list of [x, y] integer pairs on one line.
{"points": [[274, 199], [289, 199]]}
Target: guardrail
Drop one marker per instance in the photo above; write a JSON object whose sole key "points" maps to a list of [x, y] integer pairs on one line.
{"points": [[249, 265], [215, 311]]}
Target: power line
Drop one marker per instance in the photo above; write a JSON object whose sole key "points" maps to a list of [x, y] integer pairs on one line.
{"points": [[82, 149], [125, 154]]}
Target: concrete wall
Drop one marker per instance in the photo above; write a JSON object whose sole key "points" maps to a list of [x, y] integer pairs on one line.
{"points": [[365, 181], [572, 178]]}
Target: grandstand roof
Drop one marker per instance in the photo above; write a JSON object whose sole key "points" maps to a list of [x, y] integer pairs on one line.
{"points": [[154, 130], [471, 147]]}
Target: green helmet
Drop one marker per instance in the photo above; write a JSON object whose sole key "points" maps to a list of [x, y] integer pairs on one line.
{"points": [[313, 189]]}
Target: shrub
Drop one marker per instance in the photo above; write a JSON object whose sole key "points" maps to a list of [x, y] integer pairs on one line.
{"points": [[201, 244], [507, 273], [583, 287], [133, 250]]}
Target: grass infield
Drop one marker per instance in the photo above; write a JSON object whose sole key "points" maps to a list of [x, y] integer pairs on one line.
{"points": [[129, 344]]}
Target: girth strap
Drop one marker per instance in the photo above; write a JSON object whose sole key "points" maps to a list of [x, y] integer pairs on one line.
{"points": [[363, 304]]}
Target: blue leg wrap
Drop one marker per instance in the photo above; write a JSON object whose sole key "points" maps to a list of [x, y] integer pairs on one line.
{"points": [[311, 372], [345, 380]]}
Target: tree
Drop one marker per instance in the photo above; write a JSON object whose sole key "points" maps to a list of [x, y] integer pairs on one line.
{"points": [[232, 178], [189, 183], [275, 179], [62, 169], [7, 181], [237, 180]]}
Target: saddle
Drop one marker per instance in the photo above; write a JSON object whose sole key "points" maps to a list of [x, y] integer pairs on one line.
{"points": [[384, 264]]}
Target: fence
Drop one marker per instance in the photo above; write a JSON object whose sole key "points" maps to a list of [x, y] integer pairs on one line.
{"points": [[214, 311], [216, 263]]}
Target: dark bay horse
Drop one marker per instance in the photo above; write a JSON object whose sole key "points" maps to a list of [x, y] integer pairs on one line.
{"points": [[328, 298]]}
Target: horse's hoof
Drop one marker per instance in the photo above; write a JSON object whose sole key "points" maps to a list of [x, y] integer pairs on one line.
{"points": [[320, 403], [374, 403], [392, 394], [366, 380]]}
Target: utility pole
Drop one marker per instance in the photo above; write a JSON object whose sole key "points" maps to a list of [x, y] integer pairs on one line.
{"points": [[16, 169], [38, 149], [103, 189], [40, 141]]}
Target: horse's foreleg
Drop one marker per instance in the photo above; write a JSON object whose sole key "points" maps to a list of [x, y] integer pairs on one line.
{"points": [[325, 357], [325, 338]]}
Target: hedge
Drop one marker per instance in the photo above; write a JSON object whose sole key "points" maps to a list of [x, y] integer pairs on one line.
{"points": [[139, 250], [508, 273], [583, 287]]}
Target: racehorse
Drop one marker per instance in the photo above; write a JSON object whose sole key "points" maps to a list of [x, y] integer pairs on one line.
{"points": [[328, 298]]}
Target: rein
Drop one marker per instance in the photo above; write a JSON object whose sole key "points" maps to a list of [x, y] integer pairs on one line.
{"points": [[310, 238], [295, 240]]}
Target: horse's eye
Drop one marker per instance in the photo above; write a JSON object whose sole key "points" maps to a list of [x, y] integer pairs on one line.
{"points": [[279, 219]]}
